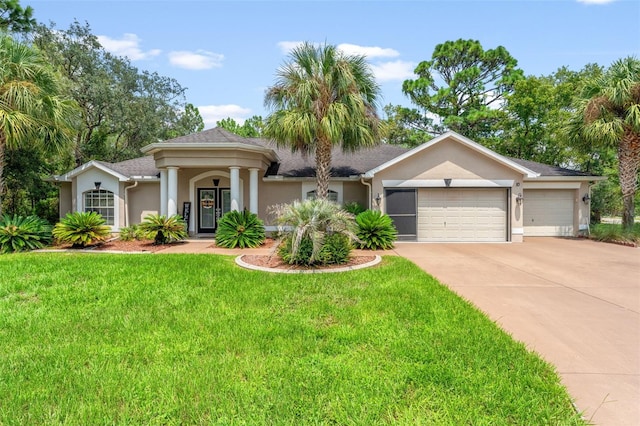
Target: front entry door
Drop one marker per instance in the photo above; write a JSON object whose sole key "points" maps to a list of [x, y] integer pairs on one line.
{"points": [[207, 210], [213, 203]]}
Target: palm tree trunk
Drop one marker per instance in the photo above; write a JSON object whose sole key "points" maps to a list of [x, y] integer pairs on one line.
{"points": [[628, 165], [323, 168]]}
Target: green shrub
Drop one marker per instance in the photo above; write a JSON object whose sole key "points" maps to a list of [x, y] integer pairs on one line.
{"points": [[240, 229], [81, 229], [353, 207], [305, 226], [336, 249], [375, 230], [23, 233], [162, 229], [301, 256], [615, 233], [131, 233]]}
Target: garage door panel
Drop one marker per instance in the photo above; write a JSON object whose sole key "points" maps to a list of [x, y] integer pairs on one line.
{"points": [[549, 212], [462, 215]]}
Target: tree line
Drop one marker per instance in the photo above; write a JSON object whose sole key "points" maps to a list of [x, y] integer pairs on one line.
{"points": [[107, 109]]}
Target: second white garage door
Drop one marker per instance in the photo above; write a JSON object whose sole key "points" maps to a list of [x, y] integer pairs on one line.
{"points": [[548, 212], [462, 215]]}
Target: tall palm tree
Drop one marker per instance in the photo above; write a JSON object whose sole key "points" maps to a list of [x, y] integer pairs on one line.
{"points": [[323, 98], [608, 114], [31, 108]]}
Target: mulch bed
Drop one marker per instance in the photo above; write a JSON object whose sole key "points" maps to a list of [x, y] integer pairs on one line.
{"points": [[125, 246], [275, 262]]}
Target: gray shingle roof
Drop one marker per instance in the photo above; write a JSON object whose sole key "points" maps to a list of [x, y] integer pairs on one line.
{"points": [[547, 170], [294, 165], [343, 164], [142, 166], [215, 135]]}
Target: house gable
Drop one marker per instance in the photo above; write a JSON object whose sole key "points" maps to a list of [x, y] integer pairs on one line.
{"points": [[441, 154]]}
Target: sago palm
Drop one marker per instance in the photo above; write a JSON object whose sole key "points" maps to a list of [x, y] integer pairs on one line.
{"points": [[309, 222], [608, 113], [31, 108], [323, 98]]}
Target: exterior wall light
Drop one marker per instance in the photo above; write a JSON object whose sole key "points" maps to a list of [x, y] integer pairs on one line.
{"points": [[97, 185], [586, 199], [519, 198], [447, 182], [378, 200], [216, 182]]}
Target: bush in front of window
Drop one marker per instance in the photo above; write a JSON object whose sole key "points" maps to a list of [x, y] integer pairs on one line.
{"points": [[308, 226], [375, 230], [23, 233], [162, 229], [240, 229], [81, 229]]}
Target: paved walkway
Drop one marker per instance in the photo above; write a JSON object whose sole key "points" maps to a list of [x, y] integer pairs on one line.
{"points": [[575, 302]]}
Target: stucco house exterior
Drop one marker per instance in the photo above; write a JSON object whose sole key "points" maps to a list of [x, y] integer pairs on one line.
{"points": [[448, 189]]}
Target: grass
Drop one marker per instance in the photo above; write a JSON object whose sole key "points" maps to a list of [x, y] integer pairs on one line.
{"points": [[193, 339], [611, 232]]}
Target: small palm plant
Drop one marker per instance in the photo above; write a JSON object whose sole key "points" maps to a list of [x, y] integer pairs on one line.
{"points": [[240, 229], [375, 230], [20, 233], [162, 229], [305, 226], [81, 229]]}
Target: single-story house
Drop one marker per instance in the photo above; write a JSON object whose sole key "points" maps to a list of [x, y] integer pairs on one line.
{"points": [[447, 189]]}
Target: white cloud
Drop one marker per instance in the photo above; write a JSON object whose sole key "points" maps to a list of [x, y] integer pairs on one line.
{"points": [[128, 45], [214, 113], [288, 46], [392, 71], [595, 1], [198, 60], [350, 49], [368, 51]]}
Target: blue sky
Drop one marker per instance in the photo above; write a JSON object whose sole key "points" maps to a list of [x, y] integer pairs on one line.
{"points": [[226, 53]]}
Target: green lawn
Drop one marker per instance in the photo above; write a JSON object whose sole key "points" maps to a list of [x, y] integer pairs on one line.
{"points": [[194, 339]]}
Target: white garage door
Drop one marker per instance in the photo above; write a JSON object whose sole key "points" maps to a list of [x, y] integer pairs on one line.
{"points": [[462, 215], [548, 212]]}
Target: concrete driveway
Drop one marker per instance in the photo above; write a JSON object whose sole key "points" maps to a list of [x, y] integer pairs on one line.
{"points": [[575, 302]]}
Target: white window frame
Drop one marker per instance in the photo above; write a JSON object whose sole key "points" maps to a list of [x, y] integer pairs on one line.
{"points": [[98, 195]]}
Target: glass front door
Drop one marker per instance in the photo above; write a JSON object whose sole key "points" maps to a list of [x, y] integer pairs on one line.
{"points": [[212, 204], [207, 210]]}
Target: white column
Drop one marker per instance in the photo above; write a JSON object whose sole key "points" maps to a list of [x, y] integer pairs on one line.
{"points": [[235, 187], [253, 190], [163, 192], [172, 191]]}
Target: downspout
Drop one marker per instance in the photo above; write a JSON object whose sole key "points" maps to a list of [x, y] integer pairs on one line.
{"points": [[126, 203], [368, 185]]}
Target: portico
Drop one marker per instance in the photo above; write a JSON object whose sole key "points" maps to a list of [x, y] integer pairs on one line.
{"points": [[211, 174]]}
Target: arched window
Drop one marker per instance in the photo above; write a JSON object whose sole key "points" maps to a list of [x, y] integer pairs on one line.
{"points": [[100, 201], [331, 196]]}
